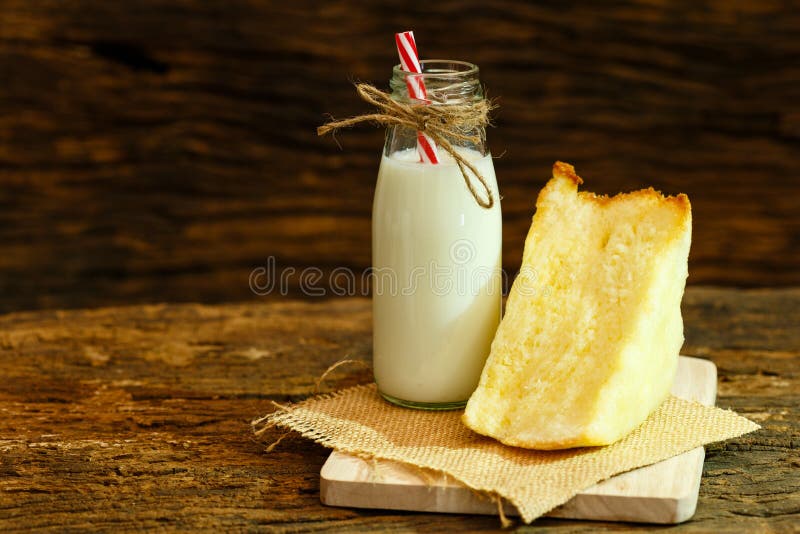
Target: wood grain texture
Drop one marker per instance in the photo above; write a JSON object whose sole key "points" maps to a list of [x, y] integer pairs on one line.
{"points": [[160, 150], [138, 417]]}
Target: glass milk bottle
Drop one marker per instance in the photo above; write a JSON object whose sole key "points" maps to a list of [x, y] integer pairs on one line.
{"points": [[436, 256]]}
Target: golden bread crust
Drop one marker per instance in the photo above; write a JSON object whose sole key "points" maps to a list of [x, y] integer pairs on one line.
{"points": [[565, 171]]}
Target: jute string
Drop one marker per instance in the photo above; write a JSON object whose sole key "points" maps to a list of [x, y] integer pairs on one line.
{"points": [[458, 122], [259, 426]]}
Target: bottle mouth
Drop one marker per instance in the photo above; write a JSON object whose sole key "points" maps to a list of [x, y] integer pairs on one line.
{"points": [[447, 81], [442, 68]]}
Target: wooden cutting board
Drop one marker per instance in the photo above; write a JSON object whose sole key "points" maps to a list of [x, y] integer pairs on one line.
{"points": [[665, 492]]}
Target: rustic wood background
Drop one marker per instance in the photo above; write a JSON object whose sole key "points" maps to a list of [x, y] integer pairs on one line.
{"points": [[159, 150]]}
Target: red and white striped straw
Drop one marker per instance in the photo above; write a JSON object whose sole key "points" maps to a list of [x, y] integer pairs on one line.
{"points": [[409, 62]]}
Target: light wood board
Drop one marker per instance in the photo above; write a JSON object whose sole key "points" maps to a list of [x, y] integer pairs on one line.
{"points": [[665, 492]]}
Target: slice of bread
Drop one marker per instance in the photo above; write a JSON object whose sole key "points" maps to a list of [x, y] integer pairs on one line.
{"points": [[589, 344]]}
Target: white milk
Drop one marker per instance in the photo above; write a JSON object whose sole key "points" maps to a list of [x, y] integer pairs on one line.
{"points": [[442, 251]]}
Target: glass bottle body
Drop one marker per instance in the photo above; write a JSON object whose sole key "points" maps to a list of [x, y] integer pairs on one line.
{"points": [[436, 257]]}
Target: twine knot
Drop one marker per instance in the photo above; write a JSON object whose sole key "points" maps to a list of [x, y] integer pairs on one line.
{"points": [[459, 122]]}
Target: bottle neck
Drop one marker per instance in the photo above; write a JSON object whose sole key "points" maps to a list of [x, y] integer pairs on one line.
{"points": [[446, 82]]}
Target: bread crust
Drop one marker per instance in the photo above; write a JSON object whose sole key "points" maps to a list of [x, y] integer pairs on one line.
{"points": [[565, 171]]}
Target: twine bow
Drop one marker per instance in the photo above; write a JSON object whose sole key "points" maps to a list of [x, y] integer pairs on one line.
{"points": [[442, 123]]}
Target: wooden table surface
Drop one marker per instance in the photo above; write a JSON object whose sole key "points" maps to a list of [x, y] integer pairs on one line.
{"points": [[138, 417]]}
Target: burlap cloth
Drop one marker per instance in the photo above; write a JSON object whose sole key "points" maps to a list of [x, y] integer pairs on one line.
{"points": [[358, 421]]}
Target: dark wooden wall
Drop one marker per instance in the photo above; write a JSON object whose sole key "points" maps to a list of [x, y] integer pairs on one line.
{"points": [[160, 150]]}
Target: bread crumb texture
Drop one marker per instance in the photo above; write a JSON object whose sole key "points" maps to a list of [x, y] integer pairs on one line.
{"points": [[589, 343]]}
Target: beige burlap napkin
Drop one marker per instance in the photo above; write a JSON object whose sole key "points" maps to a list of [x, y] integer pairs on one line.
{"points": [[358, 421]]}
